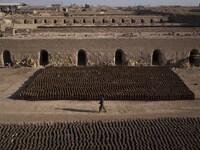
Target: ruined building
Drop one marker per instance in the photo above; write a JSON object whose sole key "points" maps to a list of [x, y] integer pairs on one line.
{"points": [[135, 36]]}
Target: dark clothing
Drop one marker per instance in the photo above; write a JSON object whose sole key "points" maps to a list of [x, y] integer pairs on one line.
{"points": [[101, 102], [101, 107]]}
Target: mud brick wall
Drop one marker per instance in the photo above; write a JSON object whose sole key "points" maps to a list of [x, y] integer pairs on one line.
{"points": [[101, 51]]}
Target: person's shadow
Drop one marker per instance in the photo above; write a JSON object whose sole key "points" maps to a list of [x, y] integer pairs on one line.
{"points": [[76, 110]]}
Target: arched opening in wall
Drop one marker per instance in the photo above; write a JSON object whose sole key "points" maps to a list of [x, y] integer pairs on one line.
{"points": [[93, 20], [151, 21], [113, 20], [194, 58], [84, 21], [142, 21], [25, 21], [161, 20], [64, 21], [123, 21], [157, 58], [103, 20], [45, 21], [35, 21], [119, 57], [44, 58], [132, 20], [74, 21], [81, 58], [7, 58], [55, 21]]}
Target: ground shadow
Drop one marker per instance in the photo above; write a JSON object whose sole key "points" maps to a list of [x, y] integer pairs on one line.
{"points": [[25, 84], [76, 110]]}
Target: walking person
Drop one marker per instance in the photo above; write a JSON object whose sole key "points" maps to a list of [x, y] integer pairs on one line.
{"points": [[101, 102]]}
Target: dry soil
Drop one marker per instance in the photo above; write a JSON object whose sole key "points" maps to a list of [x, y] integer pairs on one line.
{"points": [[49, 111]]}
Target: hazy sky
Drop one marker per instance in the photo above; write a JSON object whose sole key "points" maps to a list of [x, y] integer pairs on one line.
{"points": [[110, 2]]}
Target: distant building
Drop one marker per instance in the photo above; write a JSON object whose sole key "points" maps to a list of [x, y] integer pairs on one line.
{"points": [[32, 8], [56, 7], [10, 7]]}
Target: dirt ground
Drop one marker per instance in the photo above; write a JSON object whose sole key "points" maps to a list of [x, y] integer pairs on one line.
{"points": [[49, 111]]}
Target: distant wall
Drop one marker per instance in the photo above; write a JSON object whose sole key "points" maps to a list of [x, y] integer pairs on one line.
{"points": [[137, 51], [123, 31], [91, 20]]}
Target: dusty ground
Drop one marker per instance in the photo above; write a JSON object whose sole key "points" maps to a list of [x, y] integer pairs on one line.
{"points": [[28, 111]]}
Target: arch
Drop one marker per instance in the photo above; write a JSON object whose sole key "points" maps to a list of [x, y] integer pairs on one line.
{"points": [[44, 58], [151, 21], [7, 58], [103, 20], [93, 20], [142, 21], [194, 58], [123, 21], [35, 21], [113, 20], [64, 21], [74, 20], [161, 20], [82, 58], [119, 57], [25, 21], [45, 21], [55, 21], [132, 20], [157, 58], [84, 21]]}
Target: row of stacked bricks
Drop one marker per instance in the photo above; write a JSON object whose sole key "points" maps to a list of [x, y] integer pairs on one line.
{"points": [[114, 83], [156, 134]]}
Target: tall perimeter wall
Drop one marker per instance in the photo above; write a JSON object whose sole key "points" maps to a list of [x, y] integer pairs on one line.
{"points": [[134, 51]]}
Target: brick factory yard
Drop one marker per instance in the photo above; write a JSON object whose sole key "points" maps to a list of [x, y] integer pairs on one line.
{"points": [[40, 111]]}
